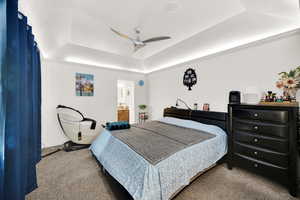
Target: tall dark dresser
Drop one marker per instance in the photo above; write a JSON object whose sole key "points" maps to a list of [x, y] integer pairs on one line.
{"points": [[264, 140]]}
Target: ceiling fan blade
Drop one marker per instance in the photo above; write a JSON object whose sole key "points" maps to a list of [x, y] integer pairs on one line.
{"points": [[137, 47], [157, 39], [121, 34]]}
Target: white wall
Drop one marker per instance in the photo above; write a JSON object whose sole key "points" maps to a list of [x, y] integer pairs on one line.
{"points": [[58, 87], [257, 66]]}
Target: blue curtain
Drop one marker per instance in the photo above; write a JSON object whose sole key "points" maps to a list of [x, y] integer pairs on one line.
{"points": [[20, 105], [3, 34]]}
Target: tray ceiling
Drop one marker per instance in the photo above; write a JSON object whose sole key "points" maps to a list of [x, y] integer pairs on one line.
{"points": [[79, 31]]}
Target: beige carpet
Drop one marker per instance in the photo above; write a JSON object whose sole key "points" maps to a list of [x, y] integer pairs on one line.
{"points": [[77, 176]]}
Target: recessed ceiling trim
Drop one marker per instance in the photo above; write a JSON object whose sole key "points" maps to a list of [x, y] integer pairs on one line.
{"points": [[225, 48], [77, 60], [258, 39]]}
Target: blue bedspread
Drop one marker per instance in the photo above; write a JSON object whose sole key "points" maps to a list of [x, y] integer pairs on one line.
{"points": [[158, 182]]}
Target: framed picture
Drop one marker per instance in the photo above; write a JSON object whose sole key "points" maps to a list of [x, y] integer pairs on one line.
{"points": [[206, 107], [84, 84]]}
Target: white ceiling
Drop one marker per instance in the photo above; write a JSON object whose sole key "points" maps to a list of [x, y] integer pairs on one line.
{"points": [[79, 31]]}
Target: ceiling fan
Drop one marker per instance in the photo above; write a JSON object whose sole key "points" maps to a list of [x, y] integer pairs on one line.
{"points": [[138, 43]]}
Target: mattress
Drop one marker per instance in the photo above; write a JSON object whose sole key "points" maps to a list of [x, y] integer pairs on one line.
{"points": [[145, 181]]}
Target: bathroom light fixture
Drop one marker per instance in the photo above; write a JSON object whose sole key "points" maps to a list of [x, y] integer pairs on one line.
{"points": [[180, 100]]}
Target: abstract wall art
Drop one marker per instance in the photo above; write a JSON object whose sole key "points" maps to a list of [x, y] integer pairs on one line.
{"points": [[84, 84]]}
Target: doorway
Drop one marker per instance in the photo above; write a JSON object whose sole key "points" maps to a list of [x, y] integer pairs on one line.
{"points": [[125, 108]]}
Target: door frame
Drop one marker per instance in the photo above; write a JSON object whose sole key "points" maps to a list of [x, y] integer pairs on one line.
{"points": [[131, 85]]}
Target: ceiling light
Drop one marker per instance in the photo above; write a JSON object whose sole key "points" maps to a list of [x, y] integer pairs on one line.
{"points": [[223, 47], [93, 63], [171, 6]]}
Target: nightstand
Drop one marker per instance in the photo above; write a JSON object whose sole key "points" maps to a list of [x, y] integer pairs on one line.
{"points": [[143, 116]]}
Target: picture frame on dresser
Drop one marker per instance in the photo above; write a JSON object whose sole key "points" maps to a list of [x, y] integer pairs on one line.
{"points": [[264, 140]]}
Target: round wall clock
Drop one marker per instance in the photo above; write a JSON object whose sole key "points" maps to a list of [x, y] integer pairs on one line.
{"points": [[190, 78], [141, 83]]}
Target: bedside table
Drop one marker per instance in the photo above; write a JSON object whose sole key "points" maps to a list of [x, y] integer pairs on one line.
{"points": [[143, 116]]}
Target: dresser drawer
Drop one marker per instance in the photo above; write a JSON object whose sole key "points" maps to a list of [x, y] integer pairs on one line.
{"points": [[261, 167], [271, 157], [267, 129], [278, 145], [264, 115]]}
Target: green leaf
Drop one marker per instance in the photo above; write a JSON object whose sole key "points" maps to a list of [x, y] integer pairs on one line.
{"points": [[142, 106], [292, 73], [283, 73]]}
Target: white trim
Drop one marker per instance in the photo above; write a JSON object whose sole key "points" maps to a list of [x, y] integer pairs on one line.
{"points": [[97, 64], [228, 48], [246, 43]]}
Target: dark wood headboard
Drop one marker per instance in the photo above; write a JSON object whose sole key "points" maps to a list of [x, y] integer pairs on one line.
{"points": [[206, 117]]}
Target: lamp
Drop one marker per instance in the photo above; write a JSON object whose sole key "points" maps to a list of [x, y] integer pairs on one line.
{"points": [[180, 100]]}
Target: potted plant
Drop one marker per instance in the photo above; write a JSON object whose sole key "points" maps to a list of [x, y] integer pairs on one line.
{"points": [[289, 82], [142, 115], [142, 106]]}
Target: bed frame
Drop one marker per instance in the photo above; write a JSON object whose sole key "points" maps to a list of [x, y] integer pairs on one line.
{"points": [[206, 117]]}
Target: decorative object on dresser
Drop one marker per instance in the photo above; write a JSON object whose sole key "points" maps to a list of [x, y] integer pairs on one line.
{"points": [[289, 82], [263, 139], [251, 95], [271, 98], [190, 78], [235, 97]]}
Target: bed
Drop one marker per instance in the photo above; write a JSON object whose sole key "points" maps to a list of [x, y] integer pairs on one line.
{"points": [[146, 176]]}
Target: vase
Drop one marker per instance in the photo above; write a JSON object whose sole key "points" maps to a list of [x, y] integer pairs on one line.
{"points": [[290, 92]]}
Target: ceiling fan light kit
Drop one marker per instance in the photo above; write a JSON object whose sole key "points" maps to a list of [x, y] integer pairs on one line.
{"points": [[138, 43], [172, 6]]}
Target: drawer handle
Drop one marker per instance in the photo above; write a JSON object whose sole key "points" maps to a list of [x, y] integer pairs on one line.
{"points": [[255, 153], [255, 165], [255, 128], [255, 115], [255, 140]]}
